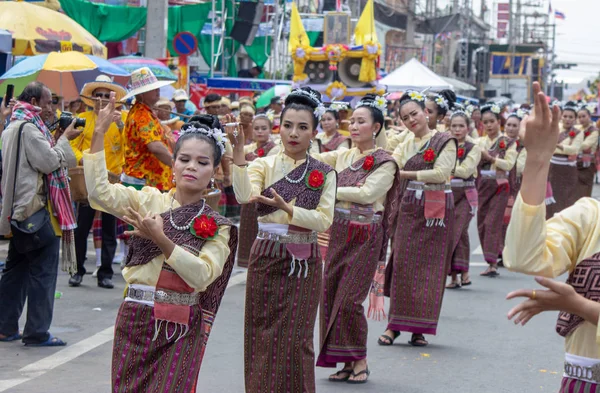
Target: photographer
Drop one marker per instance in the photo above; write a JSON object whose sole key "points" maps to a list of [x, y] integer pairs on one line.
{"points": [[36, 208]]}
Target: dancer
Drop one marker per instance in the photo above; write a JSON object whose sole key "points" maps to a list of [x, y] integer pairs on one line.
{"points": [[438, 105], [180, 248], [563, 177], [465, 198], [295, 196], [331, 139], [425, 222], [367, 196], [568, 242], [262, 146], [498, 157], [586, 159]]}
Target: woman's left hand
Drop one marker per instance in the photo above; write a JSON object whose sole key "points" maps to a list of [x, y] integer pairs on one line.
{"points": [[558, 297], [277, 201], [149, 227]]}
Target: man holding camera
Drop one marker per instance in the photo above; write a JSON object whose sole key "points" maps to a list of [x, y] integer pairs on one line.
{"points": [[37, 209], [96, 95]]}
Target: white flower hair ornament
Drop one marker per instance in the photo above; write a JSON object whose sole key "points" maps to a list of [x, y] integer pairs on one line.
{"points": [[338, 106], [496, 109], [459, 112], [379, 103], [591, 107], [441, 102], [216, 134], [470, 109], [416, 96], [320, 111]]}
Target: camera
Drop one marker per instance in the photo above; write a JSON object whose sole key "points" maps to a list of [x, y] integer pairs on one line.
{"points": [[66, 118]]}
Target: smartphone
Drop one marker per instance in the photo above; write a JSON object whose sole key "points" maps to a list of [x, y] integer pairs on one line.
{"points": [[10, 90]]}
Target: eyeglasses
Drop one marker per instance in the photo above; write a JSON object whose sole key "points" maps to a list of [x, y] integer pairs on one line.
{"points": [[102, 95]]}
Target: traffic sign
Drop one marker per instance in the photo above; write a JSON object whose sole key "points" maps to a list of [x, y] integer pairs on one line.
{"points": [[185, 43]]}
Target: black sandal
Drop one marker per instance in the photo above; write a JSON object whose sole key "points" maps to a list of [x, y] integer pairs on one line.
{"points": [[390, 339], [414, 341], [348, 371], [355, 382]]}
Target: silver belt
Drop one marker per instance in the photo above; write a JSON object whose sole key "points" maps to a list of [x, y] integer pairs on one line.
{"points": [[350, 216], [179, 299], [462, 183], [562, 160], [294, 237], [428, 187], [591, 373]]}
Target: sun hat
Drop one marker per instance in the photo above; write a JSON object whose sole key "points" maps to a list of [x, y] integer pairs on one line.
{"points": [[180, 95], [101, 82], [143, 80], [163, 101]]}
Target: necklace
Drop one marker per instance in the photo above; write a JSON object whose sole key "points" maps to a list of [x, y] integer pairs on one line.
{"points": [[295, 181], [353, 169], [425, 146], [189, 224]]}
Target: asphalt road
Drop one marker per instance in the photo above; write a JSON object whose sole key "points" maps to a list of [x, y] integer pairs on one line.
{"points": [[476, 350]]}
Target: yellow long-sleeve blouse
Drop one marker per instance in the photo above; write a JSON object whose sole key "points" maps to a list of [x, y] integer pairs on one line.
{"points": [[198, 271], [253, 146], [251, 180], [590, 143], [504, 164], [551, 248], [396, 139], [468, 167], [376, 186], [571, 146], [444, 163], [521, 159], [325, 139]]}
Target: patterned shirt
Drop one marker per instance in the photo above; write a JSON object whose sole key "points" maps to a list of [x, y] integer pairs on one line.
{"points": [[142, 128]]}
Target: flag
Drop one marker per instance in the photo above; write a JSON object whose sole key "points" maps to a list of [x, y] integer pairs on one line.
{"points": [[298, 35], [559, 15], [365, 27]]}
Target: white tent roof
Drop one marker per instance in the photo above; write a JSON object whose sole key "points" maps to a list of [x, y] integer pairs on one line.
{"points": [[413, 75]]}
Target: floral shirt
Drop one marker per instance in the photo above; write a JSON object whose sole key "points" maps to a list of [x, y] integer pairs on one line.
{"points": [[142, 128]]}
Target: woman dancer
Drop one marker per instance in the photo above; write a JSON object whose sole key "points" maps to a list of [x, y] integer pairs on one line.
{"points": [[358, 240], [563, 177], [415, 279], [465, 198], [331, 139], [295, 196], [438, 105], [568, 242], [586, 159], [262, 146], [179, 248], [498, 157]]}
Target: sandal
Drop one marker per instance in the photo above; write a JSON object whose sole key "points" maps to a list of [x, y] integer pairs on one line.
{"points": [[357, 382], [466, 283], [453, 285], [342, 371], [50, 342], [390, 340], [490, 273], [14, 337], [418, 340]]}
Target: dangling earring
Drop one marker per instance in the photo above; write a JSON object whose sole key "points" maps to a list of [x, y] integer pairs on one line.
{"points": [[212, 183], [173, 180], [310, 145], [374, 137], [427, 117]]}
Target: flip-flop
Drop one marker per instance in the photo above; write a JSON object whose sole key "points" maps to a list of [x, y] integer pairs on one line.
{"points": [[391, 342], [466, 283], [414, 341], [343, 371], [453, 285], [51, 342], [365, 371], [491, 273], [14, 337]]}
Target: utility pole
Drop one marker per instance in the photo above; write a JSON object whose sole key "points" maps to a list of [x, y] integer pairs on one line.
{"points": [[551, 57], [156, 29]]}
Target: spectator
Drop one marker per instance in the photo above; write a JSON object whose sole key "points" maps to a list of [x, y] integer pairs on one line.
{"points": [[253, 72], [148, 160], [212, 104], [36, 191], [225, 106], [180, 98]]}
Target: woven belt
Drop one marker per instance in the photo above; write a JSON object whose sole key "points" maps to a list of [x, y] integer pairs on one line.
{"points": [[179, 299], [428, 187], [591, 374], [459, 183], [562, 160], [350, 216], [294, 237]]}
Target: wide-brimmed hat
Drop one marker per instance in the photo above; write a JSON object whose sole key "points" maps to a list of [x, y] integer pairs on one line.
{"points": [[101, 82], [180, 95], [165, 101], [143, 80]]}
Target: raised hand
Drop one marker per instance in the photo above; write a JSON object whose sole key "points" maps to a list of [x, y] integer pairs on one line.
{"points": [[149, 227], [107, 115], [541, 128], [277, 201]]}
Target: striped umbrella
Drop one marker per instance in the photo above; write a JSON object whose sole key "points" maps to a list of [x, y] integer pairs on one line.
{"points": [[132, 63]]}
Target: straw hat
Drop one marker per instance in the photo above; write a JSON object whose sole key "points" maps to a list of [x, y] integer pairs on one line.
{"points": [[143, 80], [180, 95], [165, 102], [101, 82]]}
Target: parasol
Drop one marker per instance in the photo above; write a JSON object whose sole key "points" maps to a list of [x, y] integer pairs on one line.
{"points": [[132, 63], [276, 91]]}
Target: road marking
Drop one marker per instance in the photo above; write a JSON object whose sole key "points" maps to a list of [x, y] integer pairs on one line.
{"points": [[478, 251]]}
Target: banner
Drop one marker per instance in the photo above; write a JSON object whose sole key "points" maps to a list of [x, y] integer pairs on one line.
{"points": [[179, 66]]}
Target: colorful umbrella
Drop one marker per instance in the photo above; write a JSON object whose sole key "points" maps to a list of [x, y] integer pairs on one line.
{"points": [[132, 63], [276, 91], [37, 30], [64, 73]]}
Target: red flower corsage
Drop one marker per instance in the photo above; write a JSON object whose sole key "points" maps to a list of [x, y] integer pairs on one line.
{"points": [[260, 152], [429, 155], [204, 227], [572, 134], [587, 133], [461, 152], [502, 145], [315, 179], [369, 162]]}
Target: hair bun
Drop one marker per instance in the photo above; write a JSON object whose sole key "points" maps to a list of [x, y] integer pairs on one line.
{"points": [[209, 121], [305, 96], [450, 96]]}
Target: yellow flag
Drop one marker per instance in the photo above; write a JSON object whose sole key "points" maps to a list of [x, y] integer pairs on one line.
{"points": [[365, 27], [298, 36]]}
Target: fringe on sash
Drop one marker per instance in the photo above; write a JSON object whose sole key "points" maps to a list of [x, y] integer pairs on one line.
{"points": [[293, 266], [184, 330], [549, 201], [435, 222]]}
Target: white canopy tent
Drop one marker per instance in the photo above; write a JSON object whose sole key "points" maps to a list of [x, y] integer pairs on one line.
{"points": [[413, 75]]}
